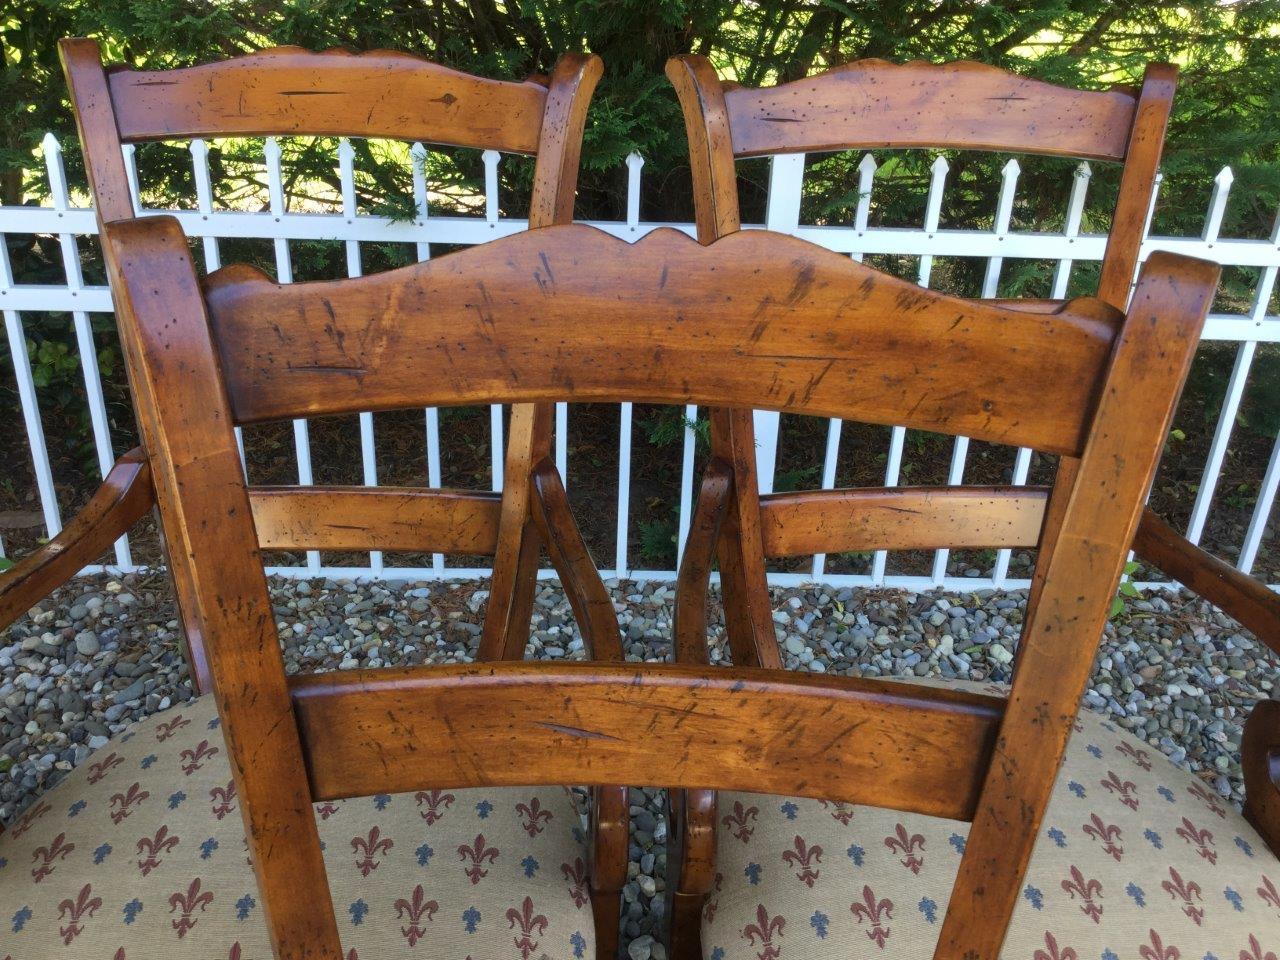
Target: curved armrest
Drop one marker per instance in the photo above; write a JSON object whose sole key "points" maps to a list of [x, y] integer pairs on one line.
{"points": [[124, 497]]}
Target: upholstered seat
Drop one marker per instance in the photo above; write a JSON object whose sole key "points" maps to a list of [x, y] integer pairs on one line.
{"points": [[140, 855], [1137, 860]]}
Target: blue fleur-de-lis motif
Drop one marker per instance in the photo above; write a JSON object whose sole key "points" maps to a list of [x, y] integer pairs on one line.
{"points": [[424, 854], [1245, 846], [358, 909], [175, 800], [207, 848], [1109, 955], [753, 873], [1057, 836], [131, 910], [1167, 794], [75, 808], [1034, 897], [148, 760], [471, 919], [215, 723], [1233, 898], [101, 854], [244, 906], [126, 738], [1210, 956], [1135, 891], [579, 835], [20, 919], [530, 866], [579, 943], [483, 809], [1094, 751], [1153, 838], [717, 953], [929, 908], [789, 809], [3, 863], [381, 800], [957, 842], [856, 854], [1077, 789], [819, 922]]}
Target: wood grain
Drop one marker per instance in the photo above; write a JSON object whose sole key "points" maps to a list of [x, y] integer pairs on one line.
{"points": [[781, 324], [916, 748], [1260, 760]]}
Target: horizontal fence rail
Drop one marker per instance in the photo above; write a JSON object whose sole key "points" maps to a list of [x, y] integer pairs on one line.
{"points": [[928, 241]]}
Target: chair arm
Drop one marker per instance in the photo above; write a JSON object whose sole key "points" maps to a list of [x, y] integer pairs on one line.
{"points": [[124, 497]]}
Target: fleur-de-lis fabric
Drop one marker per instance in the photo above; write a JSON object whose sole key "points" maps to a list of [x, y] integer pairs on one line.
{"points": [[140, 854], [1136, 860]]}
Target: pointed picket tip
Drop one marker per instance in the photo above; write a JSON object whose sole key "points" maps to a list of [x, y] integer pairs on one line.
{"points": [[1083, 170], [867, 164], [1225, 177], [346, 152], [50, 143], [940, 164], [1012, 168], [199, 148], [490, 157], [634, 160], [271, 149]]}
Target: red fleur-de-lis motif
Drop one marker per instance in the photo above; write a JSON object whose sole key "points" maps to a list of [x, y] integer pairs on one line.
{"points": [[1053, 952], [1210, 800], [532, 817], [1087, 890], [1254, 951], [327, 810], [1122, 788], [1186, 891], [47, 857], [1269, 893], [1156, 950], [875, 912], [154, 848], [1138, 756], [28, 819], [223, 798], [906, 844], [193, 760], [127, 801], [194, 899], [369, 848], [102, 767], [531, 925], [436, 802], [1108, 834], [764, 930], [841, 812], [739, 821], [76, 912], [478, 854], [1202, 840], [802, 859], [416, 909], [167, 729], [576, 877], [713, 901]]}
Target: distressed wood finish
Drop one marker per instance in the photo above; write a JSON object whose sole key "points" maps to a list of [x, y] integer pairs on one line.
{"points": [[417, 728], [904, 518], [689, 634], [123, 499], [376, 518], [962, 105], [800, 330], [1260, 759], [288, 90]]}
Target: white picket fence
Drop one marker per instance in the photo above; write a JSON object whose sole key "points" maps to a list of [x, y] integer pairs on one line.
{"points": [[928, 241]]}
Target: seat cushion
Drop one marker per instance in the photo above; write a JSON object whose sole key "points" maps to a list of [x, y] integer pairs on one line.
{"points": [[1137, 860], [140, 854]]}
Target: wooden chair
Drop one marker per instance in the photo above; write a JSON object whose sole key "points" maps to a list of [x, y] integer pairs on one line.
{"points": [[508, 322], [379, 94], [875, 104]]}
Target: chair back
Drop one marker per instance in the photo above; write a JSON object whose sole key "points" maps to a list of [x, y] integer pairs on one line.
{"points": [[780, 324]]}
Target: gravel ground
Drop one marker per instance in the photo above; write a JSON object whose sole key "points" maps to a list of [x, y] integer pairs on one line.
{"points": [[103, 652]]}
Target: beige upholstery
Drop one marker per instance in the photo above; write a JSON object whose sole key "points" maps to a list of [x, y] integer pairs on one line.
{"points": [[140, 855]]}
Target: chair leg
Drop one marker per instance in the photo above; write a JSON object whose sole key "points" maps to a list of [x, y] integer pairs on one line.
{"points": [[606, 908], [610, 836], [691, 843], [686, 925]]}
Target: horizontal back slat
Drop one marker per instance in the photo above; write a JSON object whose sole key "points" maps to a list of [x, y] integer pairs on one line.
{"points": [[568, 313], [289, 90], [376, 518], [898, 745], [903, 518], [958, 105]]}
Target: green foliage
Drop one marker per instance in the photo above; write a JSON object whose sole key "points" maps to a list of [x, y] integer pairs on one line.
{"points": [[5, 564], [1127, 589], [658, 539], [667, 426]]}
